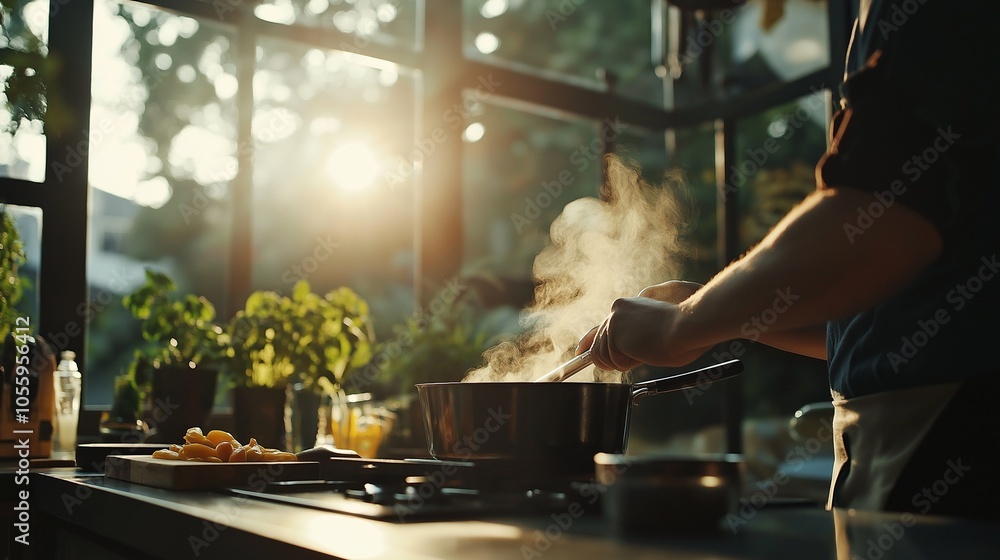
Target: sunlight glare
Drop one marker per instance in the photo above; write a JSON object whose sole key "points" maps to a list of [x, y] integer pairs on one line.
{"points": [[154, 192], [186, 74], [317, 7], [226, 86], [140, 17], [168, 32], [163, 61], [281, 11], [201, 154], [386, 13], [493, 8], [487, 43], [353, 167], [474, 132], [388, 76]]}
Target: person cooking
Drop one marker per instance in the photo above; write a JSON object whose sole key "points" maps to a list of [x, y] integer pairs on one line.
{"points": [[890, 270]]}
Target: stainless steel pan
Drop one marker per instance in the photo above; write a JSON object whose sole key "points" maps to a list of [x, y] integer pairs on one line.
{"points": [[560, 424]]}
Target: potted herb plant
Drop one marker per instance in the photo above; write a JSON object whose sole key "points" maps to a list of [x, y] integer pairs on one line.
{"points": [[180, 362], [11, 258], [440, 345], [308, 341]]}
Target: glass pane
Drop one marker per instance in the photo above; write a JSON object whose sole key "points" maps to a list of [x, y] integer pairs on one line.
{"points": [[385, 21], [22, 110], [694, 158], [647, 148], [28, 221], [776, 154], [690, 168], [25, 25], [519, 170], [777, 151], [162, 154], [754, 44], [330, 131], [674, 423], [573, 39]]}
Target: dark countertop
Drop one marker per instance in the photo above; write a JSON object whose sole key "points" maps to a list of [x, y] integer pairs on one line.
{"points": [[172, 524]]}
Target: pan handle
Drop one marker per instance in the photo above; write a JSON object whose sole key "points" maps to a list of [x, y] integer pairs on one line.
{"points": [[699, 377]]}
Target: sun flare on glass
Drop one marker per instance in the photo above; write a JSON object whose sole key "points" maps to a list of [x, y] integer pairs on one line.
{"points": [[353, 167]]}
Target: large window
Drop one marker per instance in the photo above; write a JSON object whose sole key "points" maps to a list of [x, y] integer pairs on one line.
{"points": [[334, 189], [23, 69], [392, 145], [162, 158]]}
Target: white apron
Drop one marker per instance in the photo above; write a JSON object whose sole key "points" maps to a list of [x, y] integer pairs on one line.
{"points": [[875, 435]]}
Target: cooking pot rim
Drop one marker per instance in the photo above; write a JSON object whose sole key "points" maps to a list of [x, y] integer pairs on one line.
{"points": [[518, 383]]}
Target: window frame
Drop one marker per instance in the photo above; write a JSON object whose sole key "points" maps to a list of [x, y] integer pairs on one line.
{"points": [[442, 69]]}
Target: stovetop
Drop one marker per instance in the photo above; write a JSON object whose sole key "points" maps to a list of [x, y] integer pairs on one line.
{"points": [[424, 489]]}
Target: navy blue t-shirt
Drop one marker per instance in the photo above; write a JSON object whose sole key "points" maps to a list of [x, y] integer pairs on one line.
{"points": [[920, 128]]}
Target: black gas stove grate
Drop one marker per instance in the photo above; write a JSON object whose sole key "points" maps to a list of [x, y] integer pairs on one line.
{"points": [[423, 489]]}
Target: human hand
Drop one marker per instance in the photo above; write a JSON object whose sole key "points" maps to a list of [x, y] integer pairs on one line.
{"points": [[673, 291], [641, 330]]}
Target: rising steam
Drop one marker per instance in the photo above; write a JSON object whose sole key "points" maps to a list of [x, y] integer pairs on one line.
{"points": [[600, 250]]}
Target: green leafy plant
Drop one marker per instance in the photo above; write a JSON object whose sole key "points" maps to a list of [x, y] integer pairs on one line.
{"points": [[445, 344], [127, 400], [321, 339], [11, 258], [180, 329]]}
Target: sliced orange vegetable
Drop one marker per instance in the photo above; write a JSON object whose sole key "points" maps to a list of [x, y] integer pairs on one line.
{"points": [[219, 436], [196, 451], [194, 435], [279, 456], [206, 459], [255, 454], [224, 450], [166, 454], [239, 455]]}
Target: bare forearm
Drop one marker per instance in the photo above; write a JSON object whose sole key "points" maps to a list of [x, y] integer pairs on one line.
{"points": [[807, 341], [808, 271]]}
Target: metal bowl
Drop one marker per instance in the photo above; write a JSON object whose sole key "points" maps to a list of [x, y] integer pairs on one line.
{"points": [[668, 494]]}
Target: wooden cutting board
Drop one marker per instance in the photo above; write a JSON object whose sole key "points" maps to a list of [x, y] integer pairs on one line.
{"points": [[193, 475]]}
